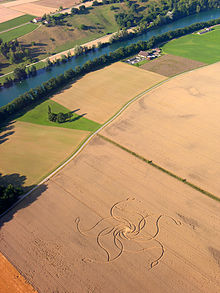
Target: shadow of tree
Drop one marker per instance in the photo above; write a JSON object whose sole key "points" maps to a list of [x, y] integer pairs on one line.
{"points": [[18, 181], [6, 131]]}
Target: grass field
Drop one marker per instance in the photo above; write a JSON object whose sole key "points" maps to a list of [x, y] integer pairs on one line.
{"points": [[153, 232], [15, 22], [18, 32], [102, 93], [177, 126], [33, 150], [204, 48], [99, 20], [39, 116], [170, 65]]}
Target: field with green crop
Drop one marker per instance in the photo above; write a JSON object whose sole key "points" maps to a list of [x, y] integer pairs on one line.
{"points": [[18, 32], [15, 22], [204, 48], [39, 115]]}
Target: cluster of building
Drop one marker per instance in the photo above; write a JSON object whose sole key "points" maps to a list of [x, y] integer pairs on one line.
{"points": [[145, 55], [39, 19]]}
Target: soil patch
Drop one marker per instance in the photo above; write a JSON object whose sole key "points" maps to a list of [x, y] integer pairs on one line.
{"points": [[170, 65]]}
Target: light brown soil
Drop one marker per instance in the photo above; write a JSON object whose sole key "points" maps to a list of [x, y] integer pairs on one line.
{"points": [[45, 240], [33, 150], [11, 280], [31, 8], [177, 125], [58, 3], [8, 14], [170, 65], [17, 2], [102, 93]]}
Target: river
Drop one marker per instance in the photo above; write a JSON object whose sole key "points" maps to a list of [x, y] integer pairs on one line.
{"points": [[9, 94]]}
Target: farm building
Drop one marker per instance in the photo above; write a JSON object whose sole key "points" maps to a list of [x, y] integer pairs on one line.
{"points": [[37, 19]]}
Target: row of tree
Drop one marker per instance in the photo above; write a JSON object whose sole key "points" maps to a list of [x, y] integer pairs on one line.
{"points": [[20, 73], [51, 86], [161, 12]]}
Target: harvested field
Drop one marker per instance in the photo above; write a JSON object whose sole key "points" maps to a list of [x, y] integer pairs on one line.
{"points": [[177, 126], [11, 280], [102, 93], [35, 9], [58, 3], [170, 65], [8, 14], [17, 2], [33, 150], [176, 232]]}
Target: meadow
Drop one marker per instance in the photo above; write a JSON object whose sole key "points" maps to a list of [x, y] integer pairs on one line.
{"points": [[38, 115], [15, 22], [204, 48], [18, 32]]}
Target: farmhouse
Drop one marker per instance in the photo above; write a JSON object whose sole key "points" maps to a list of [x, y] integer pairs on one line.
{"points": [[143, 54], [37, 19]]}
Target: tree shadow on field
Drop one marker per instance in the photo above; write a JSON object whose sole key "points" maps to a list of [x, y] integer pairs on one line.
{"points": [[6, 131], [18, 181]]}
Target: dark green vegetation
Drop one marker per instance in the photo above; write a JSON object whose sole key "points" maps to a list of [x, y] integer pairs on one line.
{"points": [[162, 169], [160, 12], [54, 84], [15, 22], [39, 115], [8, 195], [204, 47], [12, 52], [18, 32]]}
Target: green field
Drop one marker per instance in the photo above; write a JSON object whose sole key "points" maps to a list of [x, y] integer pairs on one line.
{"points": [[204, 48], [15, 22], [18, 32], [39, 115]]}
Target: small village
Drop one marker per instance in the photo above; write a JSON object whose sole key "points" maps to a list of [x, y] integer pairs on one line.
{"points": [[145, 55]]}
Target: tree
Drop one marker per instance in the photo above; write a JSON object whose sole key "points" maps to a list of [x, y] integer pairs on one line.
{"points": [[61, 118]]}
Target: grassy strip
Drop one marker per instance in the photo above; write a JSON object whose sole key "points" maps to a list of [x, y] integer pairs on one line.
{"points": [[204, 48], [15, 22], [18, 32], [39, 115], [161, 168]]}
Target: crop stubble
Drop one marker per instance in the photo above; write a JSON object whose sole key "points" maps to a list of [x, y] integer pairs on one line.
{"points": [[177, 126], [33, 150], [53, 254], [102, 93]]}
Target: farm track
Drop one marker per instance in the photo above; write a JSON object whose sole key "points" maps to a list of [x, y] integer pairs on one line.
{"points": [[10, 29], [85, 143]]}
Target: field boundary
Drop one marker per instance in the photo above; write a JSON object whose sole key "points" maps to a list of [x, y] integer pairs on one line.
{"points": [[83, 144], [151, 163]]}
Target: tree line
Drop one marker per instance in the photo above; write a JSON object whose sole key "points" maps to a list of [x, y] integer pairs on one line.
{"points": [[161, 12], [51, 86]]}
